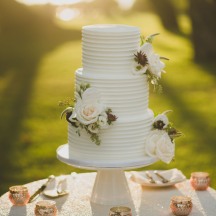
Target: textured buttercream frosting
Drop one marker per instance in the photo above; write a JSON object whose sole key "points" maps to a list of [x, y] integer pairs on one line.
{"points": [[107, 58], [123, 141], [109, 49], [126, 95]]}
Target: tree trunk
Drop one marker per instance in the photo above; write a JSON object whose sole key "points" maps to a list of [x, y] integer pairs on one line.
{"points": [[167, 12], [203, 18]]}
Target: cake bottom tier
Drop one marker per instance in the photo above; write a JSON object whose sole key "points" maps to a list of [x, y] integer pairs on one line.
{"points": [[123, 141]]}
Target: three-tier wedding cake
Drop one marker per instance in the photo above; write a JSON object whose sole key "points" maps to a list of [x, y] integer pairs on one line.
{"points": [[110, 119]]}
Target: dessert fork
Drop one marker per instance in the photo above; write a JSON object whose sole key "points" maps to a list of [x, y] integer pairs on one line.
{"points": [[150, 178], [164, 180]]}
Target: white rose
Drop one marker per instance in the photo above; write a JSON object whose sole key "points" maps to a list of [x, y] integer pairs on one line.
{"points": [[150, 147], [158, 144], [91, 95], [102, 121], [88, 113], [104, 114]]}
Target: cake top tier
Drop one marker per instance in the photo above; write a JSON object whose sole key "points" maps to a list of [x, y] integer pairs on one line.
{"points": [[111, 28], [109, 49]]}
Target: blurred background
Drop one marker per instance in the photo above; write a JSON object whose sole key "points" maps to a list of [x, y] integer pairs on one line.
{"points": [[40, 49]]}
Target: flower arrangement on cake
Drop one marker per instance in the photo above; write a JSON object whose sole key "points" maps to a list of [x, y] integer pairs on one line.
{"points": [[89, 113], [146, 61], [160, 141], [120, 72]]}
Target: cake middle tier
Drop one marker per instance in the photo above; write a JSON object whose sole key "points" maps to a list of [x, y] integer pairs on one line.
{"points": [[125, 95]]}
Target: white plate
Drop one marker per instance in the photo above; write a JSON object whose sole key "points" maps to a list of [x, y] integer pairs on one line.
{"points": [[174, 175]]}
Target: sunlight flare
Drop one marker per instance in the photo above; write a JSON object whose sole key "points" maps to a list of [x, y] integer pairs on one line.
{"points": [[125, 4], [67, 14], [53, 2]]}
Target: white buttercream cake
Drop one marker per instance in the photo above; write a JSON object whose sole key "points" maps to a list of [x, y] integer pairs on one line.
{"points": [[107, 59]]}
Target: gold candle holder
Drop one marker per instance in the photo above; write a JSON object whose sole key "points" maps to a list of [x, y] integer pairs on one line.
{"points": [[19, 195], [45, 208], [200, 180], [120, 211], [181, 205]]}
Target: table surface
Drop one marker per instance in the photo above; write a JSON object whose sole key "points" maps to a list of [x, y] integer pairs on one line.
{"points": [[146, 201]]}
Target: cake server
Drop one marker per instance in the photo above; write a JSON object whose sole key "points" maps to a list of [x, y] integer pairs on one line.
{"points": [[163, 179], [41, 189]]}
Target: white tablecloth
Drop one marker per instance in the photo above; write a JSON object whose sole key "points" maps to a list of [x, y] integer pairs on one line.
{"points": [[147, 201]]}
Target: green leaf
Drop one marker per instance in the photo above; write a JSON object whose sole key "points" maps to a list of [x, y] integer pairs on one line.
{"points": [[150, 38], [67, 110], [142, 40]]}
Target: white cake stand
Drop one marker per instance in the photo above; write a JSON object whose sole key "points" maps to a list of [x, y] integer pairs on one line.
{"points": [[110, 187]]}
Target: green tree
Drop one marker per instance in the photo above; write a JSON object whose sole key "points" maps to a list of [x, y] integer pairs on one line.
{"points": [[167, 12], [203, 17], [27, 35]]}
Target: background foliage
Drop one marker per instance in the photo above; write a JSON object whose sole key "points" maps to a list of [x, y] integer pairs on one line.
{"points": [[38, 57]]}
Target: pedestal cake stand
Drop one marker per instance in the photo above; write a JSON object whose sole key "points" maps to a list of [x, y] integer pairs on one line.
{"points": [[110, 187]]}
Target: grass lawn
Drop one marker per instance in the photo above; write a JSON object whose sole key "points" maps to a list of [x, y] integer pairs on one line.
{"points": [[28, 151]]}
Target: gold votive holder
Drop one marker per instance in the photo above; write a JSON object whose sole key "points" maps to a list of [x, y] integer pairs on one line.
{"points": [[19, 195], [45, 208], [120, 211], [181, 205], [200, 180]]}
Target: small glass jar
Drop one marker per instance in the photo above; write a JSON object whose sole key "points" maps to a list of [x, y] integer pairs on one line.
{"points": [[45, 208], [120, 211], [19, 195], [200, 180], [181, 205]]}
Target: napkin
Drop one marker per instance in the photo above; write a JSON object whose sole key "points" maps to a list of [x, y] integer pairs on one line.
{"points": [[55, 188], [173, 175]]}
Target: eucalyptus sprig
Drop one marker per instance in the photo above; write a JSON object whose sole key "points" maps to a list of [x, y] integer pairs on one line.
{"points": [[155, 81]]}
